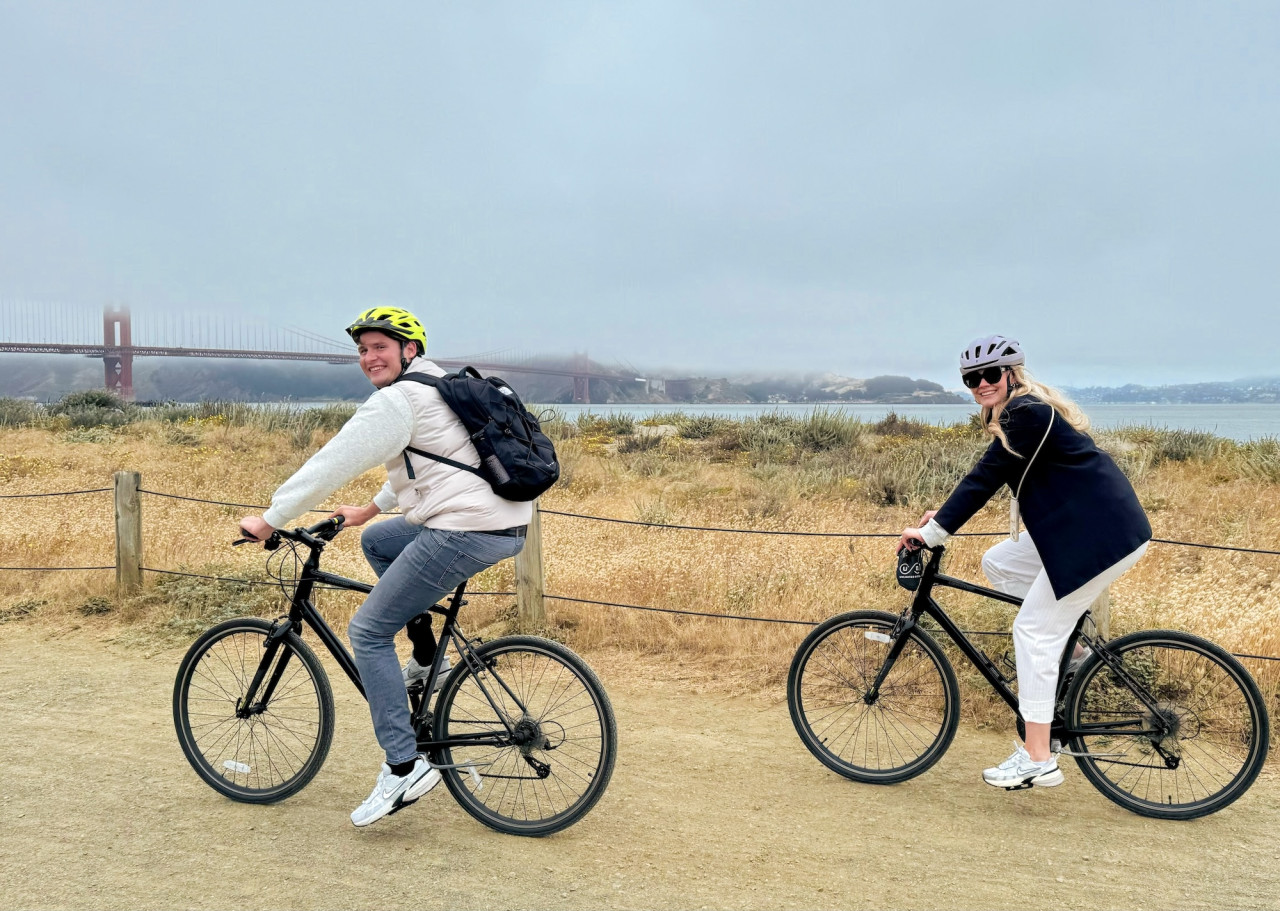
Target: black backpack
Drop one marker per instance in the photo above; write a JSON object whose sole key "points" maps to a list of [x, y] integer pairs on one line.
{"points": [[516, 457]]}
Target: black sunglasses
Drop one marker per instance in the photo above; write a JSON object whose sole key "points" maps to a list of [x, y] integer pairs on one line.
{"points": [[974, 378]]}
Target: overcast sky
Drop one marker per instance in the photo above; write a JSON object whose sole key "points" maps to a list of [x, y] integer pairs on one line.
{"points": [[717, 187]]}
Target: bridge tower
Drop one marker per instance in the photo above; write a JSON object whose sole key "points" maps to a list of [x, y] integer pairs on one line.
{"points": [[117, 362], [581, 382]]}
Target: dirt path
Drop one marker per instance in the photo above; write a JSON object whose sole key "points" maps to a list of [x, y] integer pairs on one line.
{"points": [[714, 804]]}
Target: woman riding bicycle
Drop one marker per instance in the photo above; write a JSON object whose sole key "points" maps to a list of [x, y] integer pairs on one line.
{"points": [[452, 526], [1085, 529]]}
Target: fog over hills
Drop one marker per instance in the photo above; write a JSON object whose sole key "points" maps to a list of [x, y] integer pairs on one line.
{"points": [[48, 378]]}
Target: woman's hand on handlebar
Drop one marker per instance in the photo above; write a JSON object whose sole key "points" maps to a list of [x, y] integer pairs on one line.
{"points": [[356, 515], [255, 528], [912, 538], [924, 519]]}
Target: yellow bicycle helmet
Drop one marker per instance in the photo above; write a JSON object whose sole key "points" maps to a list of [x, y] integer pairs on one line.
{"points": [[393, 321]]}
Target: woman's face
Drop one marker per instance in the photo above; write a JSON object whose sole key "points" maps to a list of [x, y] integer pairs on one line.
{"points": [[989, 395]]}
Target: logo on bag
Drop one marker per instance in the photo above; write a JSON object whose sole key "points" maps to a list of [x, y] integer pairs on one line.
{"points": [[910, 568]]}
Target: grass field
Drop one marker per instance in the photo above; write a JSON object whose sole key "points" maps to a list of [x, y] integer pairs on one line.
{"points": [[824, 473]]}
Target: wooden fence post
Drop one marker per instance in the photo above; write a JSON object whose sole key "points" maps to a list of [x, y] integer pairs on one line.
{"points": [[531, 609], [1101, 611], [128, 531]]}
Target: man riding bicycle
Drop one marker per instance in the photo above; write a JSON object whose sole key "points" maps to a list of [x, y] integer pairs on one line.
{"points": [[452, 526]]}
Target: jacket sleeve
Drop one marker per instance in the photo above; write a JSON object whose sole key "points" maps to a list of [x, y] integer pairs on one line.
{"points": [[1025, 425], [377, 432]]}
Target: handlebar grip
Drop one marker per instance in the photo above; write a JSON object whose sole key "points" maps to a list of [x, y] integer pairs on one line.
{"points": [[328, 528]]}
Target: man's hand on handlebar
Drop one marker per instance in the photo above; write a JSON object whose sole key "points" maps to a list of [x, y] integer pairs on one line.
{"points": [[255, 529], [356, 515]]}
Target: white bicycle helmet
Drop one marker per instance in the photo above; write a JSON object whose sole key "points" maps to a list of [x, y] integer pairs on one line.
{"points": [[991, 351]]}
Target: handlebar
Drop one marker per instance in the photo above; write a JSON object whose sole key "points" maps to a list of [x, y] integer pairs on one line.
{"points": [[324, 530]]}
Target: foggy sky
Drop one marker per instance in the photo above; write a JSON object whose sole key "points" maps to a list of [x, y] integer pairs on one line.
{"points": [[717, 187]]}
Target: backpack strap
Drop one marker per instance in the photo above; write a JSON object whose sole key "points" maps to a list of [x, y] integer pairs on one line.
{"points": [[437, 458], [427, 379]]}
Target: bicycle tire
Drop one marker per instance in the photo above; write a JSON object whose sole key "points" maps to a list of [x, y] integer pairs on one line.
{"points": [[898, 736], [569, 725], [1218, 729], [268, 756]]}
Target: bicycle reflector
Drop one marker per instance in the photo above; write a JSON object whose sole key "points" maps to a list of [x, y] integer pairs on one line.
{"points": [[910, 567]]}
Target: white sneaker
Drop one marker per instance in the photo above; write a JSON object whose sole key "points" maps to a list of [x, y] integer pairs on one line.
{"points": [[392, 792], [415, 671], [1021, 771]]}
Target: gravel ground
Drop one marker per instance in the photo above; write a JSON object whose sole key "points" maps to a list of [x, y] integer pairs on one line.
{"points": [[714, 804]]}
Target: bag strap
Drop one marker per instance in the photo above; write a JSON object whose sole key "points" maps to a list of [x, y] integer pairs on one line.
{"points": [[437, 458], [1052, 414], [425, 379]]}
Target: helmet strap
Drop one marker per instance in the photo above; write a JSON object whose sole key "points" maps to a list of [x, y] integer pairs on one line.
{"points": [[404, 362]]}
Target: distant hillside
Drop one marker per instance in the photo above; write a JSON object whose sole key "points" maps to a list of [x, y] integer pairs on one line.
{"points": [[1255, 389], [833, 388], [49, 377]]}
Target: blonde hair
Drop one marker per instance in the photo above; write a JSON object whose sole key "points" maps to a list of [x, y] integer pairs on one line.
{"points": [[1025, 384]]}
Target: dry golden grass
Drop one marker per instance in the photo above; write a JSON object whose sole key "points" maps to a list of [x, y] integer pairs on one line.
{"points": [[719, 475]]}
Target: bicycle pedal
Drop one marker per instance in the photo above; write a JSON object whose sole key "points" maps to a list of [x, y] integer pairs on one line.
{"points": [[1026, 785]]}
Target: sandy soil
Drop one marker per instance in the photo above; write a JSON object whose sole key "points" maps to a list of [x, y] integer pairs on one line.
{"points": [[714, 804]]}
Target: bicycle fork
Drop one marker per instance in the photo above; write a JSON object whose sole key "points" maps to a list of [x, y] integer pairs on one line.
{"points": [[245, 705]]}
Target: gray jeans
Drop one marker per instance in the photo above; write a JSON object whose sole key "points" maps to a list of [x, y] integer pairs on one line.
{"points": [[416, 567]]}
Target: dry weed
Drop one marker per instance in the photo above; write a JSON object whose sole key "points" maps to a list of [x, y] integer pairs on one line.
{"points": [[766, 476]]}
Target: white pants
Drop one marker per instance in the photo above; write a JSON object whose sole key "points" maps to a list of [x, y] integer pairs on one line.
{"points": [[1043, 624]]}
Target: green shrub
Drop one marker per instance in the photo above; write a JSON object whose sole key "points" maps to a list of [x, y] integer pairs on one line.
{"points": [[1258, 459], [919, 472], [19, 413], [893, 426], [89, 399], [825, 430], [96, 417], [703, 426], [94, 408]]}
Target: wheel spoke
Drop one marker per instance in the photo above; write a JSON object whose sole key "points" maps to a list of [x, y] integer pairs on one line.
{"points": [[266, 755], [900, 732], [1214, 718]]}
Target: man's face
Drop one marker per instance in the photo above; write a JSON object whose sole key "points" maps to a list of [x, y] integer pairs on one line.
{"points": [[379, 357]]}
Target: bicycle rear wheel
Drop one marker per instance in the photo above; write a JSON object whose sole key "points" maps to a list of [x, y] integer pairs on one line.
{"points": [[894, 736], [553, 769], [272, 753], [1197, 747]]}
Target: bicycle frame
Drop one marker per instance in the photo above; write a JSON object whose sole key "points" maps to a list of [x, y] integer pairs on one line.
{"points": [[303, 610], [923, 604]]}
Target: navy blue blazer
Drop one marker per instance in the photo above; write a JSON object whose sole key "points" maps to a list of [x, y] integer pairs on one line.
{"points": [[1077, 505]]}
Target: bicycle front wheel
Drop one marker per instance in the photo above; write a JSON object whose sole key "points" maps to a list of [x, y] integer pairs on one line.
{"points": [[531, 738], [272, 751], [884, 738], [1185, 735]]}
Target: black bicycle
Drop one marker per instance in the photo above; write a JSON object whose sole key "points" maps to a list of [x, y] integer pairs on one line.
{"points": [[1164, 723], [522, 731]]}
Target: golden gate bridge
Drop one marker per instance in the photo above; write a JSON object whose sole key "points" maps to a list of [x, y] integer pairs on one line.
{"points": [[27, 329]]}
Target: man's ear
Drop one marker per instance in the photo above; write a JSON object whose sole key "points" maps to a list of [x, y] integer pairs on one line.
{"points": [[411, 350]]}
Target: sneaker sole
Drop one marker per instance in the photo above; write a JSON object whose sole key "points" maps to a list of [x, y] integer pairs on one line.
{"points": [[410, 796], [1045, 780], [423, 785]]}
